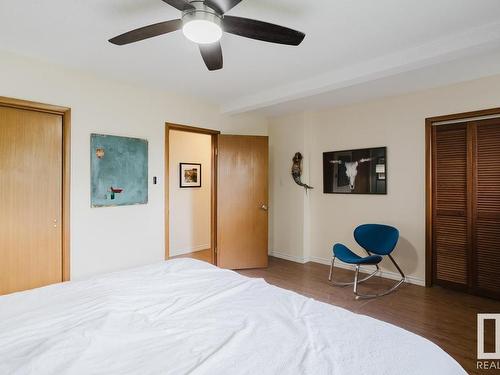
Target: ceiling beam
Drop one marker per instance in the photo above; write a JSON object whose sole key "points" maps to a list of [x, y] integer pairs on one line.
{"points": [[441, 50]]}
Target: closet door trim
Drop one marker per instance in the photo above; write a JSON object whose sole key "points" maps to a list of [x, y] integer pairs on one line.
{"points": [[429, 181], [65, 112]]}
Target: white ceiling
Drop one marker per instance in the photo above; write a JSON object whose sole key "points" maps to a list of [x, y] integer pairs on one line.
{"points": [[348, 44]]}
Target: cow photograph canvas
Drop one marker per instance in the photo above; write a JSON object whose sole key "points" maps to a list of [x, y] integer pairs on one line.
{"points": [[361, 171]]}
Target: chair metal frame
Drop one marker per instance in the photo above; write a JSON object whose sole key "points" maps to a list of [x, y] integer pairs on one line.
{"points": [[357, 281], [338, 283]]}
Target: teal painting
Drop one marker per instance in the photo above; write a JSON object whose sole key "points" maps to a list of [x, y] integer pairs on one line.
{"points": [[119, 170]]}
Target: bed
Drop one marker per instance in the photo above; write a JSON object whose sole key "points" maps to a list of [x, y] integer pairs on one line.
{"points": [[186, 316]]}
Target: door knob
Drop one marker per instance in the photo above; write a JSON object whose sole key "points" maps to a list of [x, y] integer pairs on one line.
{"points": [[263, 207]]}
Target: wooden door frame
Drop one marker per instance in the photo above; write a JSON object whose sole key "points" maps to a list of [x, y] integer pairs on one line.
{"points": [[65, 113], [429, 123], [213, 199]]}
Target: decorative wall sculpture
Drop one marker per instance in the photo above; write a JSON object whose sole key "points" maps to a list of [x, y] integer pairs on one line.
{"points": [[297, 171]]}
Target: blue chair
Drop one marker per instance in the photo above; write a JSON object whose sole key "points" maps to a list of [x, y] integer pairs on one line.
{"points": [[377, 240]]}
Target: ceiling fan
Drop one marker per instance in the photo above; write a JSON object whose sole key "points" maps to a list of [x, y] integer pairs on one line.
{"points": [[204, 21]]}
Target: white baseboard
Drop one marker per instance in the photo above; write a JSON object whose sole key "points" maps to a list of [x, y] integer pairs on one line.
{"points": [[293, 258], [188, 250], [383, 273]]}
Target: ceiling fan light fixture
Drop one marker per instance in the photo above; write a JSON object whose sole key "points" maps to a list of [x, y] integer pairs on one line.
{"points": [[204, 21], [201, 24], [202, 31]]}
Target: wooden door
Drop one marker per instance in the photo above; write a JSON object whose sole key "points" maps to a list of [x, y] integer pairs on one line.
{"points": [[486, 208], [242, 202], [451, 232], [30, 199]]}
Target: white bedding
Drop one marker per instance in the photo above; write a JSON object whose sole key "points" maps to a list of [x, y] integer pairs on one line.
{"points": [[185, 316]]}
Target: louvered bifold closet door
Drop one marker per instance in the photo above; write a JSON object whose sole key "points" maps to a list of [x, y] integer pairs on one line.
{"points": [[486, 249], [450, 206]]}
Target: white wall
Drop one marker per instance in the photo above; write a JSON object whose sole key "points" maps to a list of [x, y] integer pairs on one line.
{"points": [[189, 207], [397, 123], [104, 239], [287, 201]]}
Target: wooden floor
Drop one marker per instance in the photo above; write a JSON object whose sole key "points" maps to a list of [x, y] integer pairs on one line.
{"points": [[443, 316], [204, 255]]}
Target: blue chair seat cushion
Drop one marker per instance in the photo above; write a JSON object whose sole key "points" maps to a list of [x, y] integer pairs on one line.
{"points": [[343, 253]]}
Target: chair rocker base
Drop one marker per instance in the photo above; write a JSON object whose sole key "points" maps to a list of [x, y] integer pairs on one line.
{"points": [[358, 281], [339, 283]]}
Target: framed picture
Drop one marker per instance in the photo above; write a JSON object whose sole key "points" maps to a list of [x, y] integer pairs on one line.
{"points": [[190, 175], [119, 170], [362, 171]]}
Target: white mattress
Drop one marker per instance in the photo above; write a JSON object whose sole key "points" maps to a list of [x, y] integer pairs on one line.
{"points": [[185, 316]]}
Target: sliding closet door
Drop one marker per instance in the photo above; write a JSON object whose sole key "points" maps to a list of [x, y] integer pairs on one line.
{"points": [[486, 252], [30, 199], [450, 206]]}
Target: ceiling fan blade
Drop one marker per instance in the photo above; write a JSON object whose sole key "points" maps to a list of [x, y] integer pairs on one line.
{"points": [[147, 32], [212, 55], [222, 6], [180, 4], [260, 30]]}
